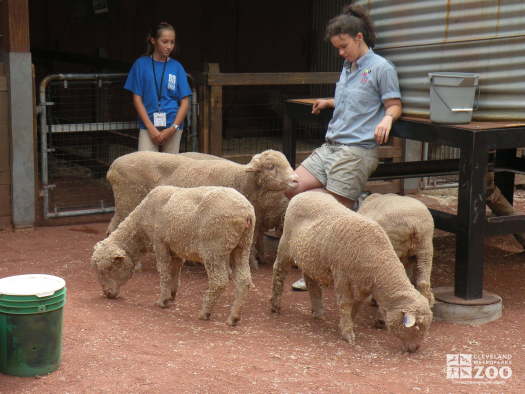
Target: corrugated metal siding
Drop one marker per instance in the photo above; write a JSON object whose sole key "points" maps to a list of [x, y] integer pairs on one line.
{"points": [[485, 37]]}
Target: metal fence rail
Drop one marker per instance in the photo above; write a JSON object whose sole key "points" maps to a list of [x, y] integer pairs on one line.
{"points": [[85, 122]]}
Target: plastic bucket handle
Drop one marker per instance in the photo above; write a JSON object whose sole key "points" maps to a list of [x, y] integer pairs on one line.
{"points": [[462, 81]]}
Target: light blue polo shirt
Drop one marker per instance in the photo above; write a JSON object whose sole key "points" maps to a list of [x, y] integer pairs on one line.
{"points": [[359, 96]]}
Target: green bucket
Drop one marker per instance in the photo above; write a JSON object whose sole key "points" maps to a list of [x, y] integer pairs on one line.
{"points": [[31, 319]]}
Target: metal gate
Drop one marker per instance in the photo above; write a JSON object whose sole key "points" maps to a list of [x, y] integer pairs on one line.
{"points": [[85, 122]]}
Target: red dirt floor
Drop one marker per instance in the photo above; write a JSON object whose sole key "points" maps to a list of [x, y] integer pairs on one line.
{"points": [[129, 345]]}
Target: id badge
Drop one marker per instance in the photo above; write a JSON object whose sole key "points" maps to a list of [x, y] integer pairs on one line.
{"points": [[159, 119]]}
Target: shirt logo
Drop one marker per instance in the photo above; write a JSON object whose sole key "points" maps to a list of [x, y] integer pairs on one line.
{"points": [[172, 81], [364, 75]]}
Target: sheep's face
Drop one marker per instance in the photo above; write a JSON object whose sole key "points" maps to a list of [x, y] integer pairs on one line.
{"points": [[409, 327], [273, 171], [113, 267]]}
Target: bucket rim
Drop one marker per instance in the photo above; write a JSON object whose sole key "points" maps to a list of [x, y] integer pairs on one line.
{"points": [[452, 74], [39, 285]]}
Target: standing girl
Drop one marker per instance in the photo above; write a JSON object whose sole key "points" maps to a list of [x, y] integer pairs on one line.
{"points": [[160, 92]]}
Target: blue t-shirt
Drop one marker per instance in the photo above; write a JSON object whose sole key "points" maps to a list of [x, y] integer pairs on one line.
{"points": [[174, 86], [359, 97]]}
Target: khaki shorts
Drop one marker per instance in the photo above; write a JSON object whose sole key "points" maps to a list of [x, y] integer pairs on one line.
{"points": [[342, 169], [170, 146]]}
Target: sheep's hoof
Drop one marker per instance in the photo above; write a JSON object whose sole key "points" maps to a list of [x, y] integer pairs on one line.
{"points": [[317, 314], [380, 324], [204, 316], [110, 295], [232, 321], [349, 337], [276, 308], [162, 303]]}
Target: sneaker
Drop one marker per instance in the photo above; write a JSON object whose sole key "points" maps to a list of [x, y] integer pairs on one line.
{"points": [[299, 285], [360, 200]]}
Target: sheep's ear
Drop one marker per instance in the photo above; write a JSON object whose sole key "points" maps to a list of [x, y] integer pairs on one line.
{"points": [[409, 319], [255, 163]]}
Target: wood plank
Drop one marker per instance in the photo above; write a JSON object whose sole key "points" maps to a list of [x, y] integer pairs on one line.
{"points": [[5, 223], [204, 119], [16, 14], [393, 186], [5, 200], [258, 79], [216, 121]]}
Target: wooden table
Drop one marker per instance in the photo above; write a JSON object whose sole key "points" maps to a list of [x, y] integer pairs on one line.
{"points": [[476, 141]]}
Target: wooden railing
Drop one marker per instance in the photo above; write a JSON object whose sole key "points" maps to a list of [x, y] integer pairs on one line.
{"points": [[212, 82]]}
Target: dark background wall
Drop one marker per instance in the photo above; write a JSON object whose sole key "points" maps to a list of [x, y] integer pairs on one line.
{"points": [[243, 36]]}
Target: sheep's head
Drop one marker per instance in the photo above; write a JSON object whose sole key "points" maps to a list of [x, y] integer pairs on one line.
{"points": [[410, 326], [113, 267], [273, 171]]}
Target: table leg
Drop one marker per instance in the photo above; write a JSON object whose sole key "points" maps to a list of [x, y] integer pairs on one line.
{"points": [[505, 180], [471, 220], [289, 139]]}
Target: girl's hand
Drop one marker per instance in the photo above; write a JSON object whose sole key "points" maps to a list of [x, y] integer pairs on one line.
{"points": [[383, 129], [155, 136], [321, 104]]}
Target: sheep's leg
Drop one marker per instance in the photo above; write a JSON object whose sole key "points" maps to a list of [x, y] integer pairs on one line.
{"points": [[281, 267], [113, 224], [254, 264], [257, 251], [499, 204], [242, 280], [346, 304], [176, 266], [164, 267], [316, 296], [259, 242], [217, 270], [423, 269]]}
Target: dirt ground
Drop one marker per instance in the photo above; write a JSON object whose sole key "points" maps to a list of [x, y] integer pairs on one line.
{"points": [[129, 345]]}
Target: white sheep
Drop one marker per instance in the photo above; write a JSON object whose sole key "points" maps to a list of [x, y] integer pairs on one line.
{"points": [[212, 225], [335, 246], [410, 228], [270, 210], [262, 181]]}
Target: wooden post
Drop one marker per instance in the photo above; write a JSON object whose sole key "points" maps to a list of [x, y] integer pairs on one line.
{"points": [[215, 114], [14, 26], [204, 112]]}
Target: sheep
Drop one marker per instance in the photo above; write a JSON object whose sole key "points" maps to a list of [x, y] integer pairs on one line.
{"points": [[270, 214], [336, 246], [499, 205], [410, 228], [262, 181], [212, 225]]}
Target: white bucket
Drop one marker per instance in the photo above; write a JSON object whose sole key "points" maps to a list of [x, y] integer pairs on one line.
{"points": [[452, 96]]}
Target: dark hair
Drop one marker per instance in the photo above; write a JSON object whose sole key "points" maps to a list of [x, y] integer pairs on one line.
{"points": [[155, 33], [353, 20]]}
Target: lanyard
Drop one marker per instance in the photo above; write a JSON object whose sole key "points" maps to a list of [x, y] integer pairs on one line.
{"points": [[158, 89]]}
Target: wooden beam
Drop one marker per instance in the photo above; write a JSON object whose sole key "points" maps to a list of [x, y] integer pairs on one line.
{"points": [[258, 79], [215, 114], [14, 24]]}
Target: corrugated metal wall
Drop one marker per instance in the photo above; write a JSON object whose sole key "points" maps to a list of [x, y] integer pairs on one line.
{"points": [[485, 37]]}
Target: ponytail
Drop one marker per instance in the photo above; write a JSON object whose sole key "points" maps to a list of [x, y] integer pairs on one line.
{"points": [[155, 33], [353, 20]]}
